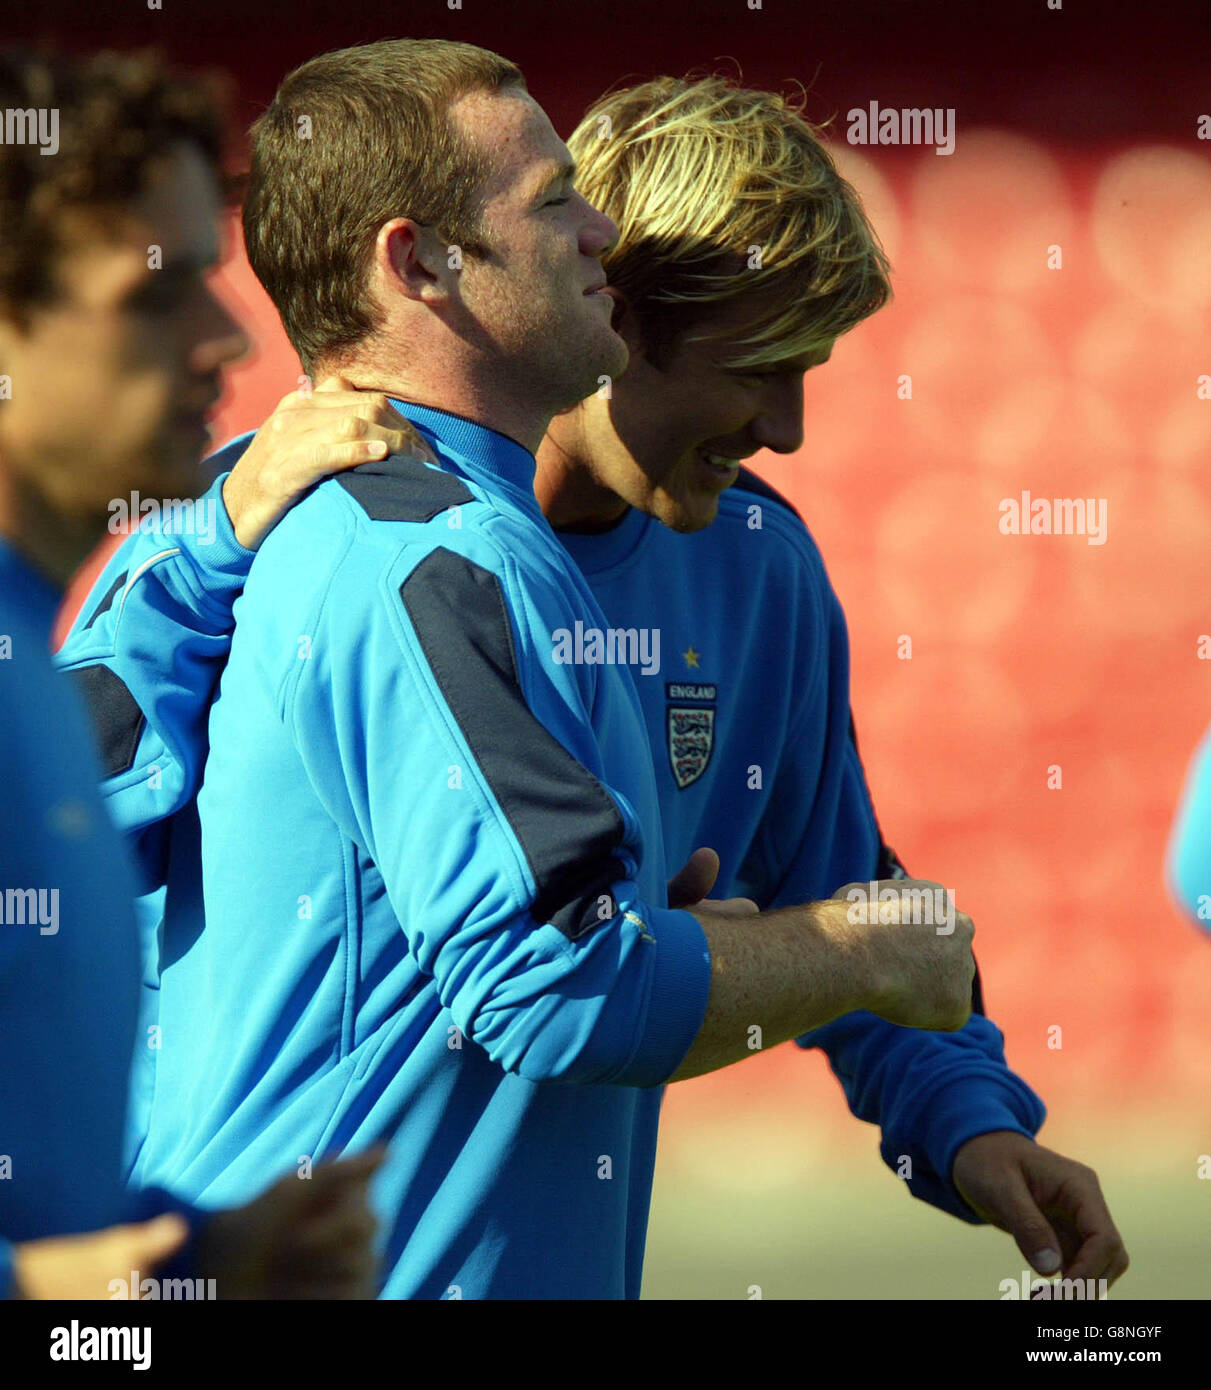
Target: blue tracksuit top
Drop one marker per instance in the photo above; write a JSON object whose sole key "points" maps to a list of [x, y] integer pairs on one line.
{"points": [[1188, 861], [434, 891], [69, 955], [745, 705]]}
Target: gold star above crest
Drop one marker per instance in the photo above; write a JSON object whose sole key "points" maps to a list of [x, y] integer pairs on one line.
{"points": [[690, 658]]}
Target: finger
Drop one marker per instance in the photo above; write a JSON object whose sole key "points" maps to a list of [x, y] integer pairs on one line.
{"points": [[327, 433], [335, 1247], [335, 389], [403, 440], [346, 1247], [340, 1247], [309, 466], [732, 907], [334, 381], [335, 393], [1100, 1251], [340, 395], [1033, 1234], [344, 1213], [338, 458], [695, 879], [363, 408], [338, 418], [350, 1166], [1080, 1206], [156, 1240], [417, 445], [1119, 1267], [340, 1181]]}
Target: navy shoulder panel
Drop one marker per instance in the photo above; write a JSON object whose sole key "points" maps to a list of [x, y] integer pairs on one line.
{"points": [[107, 602], [116, 716], [564, 819], [402, 488], [749, 482]]}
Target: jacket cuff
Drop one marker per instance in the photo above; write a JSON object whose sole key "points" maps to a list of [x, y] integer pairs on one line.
{"points": [[212, 548], [966, 1108], [681, 984]]}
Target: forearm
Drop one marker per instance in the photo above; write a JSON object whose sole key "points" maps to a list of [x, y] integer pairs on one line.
{"points": [[929, 1092], [785, 972]]}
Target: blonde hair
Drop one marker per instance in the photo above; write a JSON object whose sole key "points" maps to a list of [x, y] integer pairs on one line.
{"points": [[720, 191]]}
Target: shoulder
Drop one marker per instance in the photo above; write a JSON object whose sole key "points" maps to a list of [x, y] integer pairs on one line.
{"points": [[361, 539], [357, 523], [758, 520], [749, 485]]}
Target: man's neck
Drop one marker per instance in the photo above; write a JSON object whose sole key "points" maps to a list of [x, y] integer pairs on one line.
{"points": [[570, 497], [483, 403], [55, 542]]}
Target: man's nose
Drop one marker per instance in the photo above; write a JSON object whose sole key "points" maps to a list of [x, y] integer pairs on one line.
{"points": [[222, 340], [598, 234], [779, 425]]}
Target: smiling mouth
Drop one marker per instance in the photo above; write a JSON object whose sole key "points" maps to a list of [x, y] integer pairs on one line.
{"points": [[720, 463]]}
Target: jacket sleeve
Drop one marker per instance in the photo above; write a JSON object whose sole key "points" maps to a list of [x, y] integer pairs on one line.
{"points": [[145, 652], [441, 735], [929, 1092], [1189, 858]]}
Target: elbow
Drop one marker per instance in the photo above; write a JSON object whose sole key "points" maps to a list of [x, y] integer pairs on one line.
{"points": [[549, 1042], [553, 1056]]}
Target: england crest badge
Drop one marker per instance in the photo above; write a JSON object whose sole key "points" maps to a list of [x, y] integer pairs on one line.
{"points": [[691, 729]]}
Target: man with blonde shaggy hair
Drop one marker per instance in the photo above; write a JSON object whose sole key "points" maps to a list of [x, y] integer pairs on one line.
{"points": [[743, 255]]}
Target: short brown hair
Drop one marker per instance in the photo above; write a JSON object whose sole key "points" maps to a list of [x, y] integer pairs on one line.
{"points": [[698, 174], [116, 113], [351, 140]]}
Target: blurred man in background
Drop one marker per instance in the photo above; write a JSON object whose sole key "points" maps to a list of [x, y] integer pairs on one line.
{"points": [[110, 349]]}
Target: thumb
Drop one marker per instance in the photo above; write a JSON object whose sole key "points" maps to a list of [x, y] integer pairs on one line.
{"points": [[732, 907], [1031, 1230], [351, 1168], [695, 879], [155, 1240]]}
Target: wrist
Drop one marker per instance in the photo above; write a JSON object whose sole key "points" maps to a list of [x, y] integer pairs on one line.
{"points": [[842, 966]]}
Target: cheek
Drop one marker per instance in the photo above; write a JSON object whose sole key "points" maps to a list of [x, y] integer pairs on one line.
{"points": [[496, 297], [116, 363]]}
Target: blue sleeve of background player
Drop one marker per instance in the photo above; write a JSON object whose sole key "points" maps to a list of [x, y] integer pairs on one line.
{"points": [[1189, 857], [928, 1092], [145, 653]]}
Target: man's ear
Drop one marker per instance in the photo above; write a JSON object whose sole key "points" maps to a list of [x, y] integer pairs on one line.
{"points": [[413, 259]]}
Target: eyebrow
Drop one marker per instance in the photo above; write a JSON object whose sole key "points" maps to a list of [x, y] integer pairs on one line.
{"points": [[179, 270], [563, 173]]}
